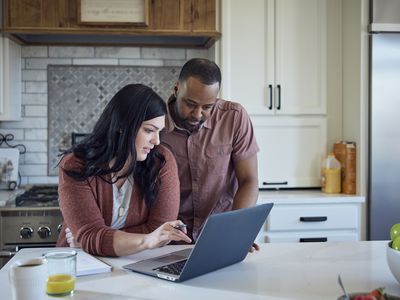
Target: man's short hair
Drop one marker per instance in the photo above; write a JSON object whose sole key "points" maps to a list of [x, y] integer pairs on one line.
{"points": [[206, 71]]}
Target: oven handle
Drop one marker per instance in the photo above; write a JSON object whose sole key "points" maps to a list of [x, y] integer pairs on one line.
{"points": [[7, 253]]}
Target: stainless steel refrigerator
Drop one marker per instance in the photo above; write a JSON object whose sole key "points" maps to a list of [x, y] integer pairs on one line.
{"points": [[384, 139]]}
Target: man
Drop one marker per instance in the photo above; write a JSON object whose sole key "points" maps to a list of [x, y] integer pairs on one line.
{"points": [[214, 146]]}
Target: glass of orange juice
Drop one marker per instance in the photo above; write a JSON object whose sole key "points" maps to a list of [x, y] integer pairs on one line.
{"points": [[61, 270]]}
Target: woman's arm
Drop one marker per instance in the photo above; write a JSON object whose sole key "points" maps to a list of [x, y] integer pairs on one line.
{"points": [[126, 243], [83, 212], [166, 206], [84, 215]]}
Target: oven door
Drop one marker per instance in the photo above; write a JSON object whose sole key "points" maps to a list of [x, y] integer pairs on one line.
{"points": [[6, 254]]}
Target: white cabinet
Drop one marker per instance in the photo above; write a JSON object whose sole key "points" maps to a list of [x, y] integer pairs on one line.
{"points": [[10, 80], [316, 218], [291, 150], [274, 55], [273, 59]]}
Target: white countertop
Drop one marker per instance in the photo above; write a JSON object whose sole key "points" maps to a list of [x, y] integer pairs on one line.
{"points": [[276, 196], [278, 271], [306, 197]]}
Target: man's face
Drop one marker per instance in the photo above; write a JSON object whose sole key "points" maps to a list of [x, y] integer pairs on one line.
{"points": [[194, 102]]}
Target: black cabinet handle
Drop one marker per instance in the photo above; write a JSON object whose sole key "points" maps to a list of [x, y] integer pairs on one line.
{"points": [[275, 183], [270, 96], [278, 107], [313, 219], [311, 240]]}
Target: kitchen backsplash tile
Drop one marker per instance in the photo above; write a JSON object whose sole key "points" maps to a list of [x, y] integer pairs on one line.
{"points": [[34, 51], [122, 52], [36, 134], [34, 99], [141, 62], [42, 63], [33, 132], [163, 53], [35, 158], [36, 110], [62, 51], [34, 75], [78, 94], [35, 87], [95, 61]]}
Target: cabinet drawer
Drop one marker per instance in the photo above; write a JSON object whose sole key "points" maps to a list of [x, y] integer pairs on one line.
{"points": [[313, 217], [308, 236]]}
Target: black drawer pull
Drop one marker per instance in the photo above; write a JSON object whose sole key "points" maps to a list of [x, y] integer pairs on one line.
{"points": [[312, 240], [275, 183], [313, 219]]}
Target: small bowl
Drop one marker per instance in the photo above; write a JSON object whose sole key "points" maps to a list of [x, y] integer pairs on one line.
{"points": [[393, 260], [352, 295]]}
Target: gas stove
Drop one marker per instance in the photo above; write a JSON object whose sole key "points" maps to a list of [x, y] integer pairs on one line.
{"points": [[38, 196], [35, 222]]}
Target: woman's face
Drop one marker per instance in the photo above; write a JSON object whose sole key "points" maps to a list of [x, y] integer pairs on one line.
{"points": [[148, 136]]}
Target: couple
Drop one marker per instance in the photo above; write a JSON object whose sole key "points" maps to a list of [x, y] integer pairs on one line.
{"points": [[121, 189]]}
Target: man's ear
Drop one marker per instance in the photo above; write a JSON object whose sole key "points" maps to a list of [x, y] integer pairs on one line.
{"points": [[176, 88]]}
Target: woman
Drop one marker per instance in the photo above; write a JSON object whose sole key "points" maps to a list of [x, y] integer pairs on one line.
{"points": [[118, 188]]}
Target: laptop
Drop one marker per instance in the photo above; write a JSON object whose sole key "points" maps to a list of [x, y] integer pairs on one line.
{"points": [[224, 240]]}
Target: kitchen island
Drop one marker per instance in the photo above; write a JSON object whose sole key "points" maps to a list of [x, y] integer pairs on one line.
{"points": [[278, 271]]}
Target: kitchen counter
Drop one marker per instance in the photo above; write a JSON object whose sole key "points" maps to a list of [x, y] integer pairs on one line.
{"points": [[278, 271], [306, 196]]}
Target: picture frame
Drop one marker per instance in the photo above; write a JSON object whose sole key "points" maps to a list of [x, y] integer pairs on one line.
{"points": [[9, 163], [116, 12]]}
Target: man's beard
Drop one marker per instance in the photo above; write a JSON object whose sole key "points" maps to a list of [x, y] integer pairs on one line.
{"points": [[185, 124]]}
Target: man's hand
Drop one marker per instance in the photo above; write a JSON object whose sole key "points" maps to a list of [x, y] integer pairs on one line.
{"points": [[254, 248]]}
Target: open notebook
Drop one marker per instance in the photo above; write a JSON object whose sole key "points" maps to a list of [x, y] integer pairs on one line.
{"points": [[87, 264]]}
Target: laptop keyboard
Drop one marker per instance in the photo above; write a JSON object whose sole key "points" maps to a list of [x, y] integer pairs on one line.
{"points": [[174, 268]]}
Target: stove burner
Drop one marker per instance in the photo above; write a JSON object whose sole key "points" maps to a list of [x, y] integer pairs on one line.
{"points": [[39, 196]]}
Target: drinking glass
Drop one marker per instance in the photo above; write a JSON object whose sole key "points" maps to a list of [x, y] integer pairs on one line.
{"points": [[61, 271]]}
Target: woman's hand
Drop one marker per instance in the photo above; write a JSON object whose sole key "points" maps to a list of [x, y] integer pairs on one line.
{"points": [[71, 240], [166, 233]]}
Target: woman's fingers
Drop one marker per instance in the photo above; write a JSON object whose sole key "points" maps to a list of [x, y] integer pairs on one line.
{"points": [[177, 232]]}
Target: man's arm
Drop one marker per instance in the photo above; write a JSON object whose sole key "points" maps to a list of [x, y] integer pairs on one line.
{"points": [[247, 175]]}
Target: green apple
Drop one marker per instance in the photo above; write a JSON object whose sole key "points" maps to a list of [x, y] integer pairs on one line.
{"points": [[396, 243], [395, 231]]}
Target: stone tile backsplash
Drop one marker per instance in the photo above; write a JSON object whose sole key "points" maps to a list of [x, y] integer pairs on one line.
{"points": [[78, 94], [45, 126]]}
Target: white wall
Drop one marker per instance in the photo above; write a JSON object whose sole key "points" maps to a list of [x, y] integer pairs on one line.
{"points": [[355, 87]]}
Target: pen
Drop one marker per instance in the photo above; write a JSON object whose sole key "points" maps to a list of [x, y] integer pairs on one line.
{"points": [[180, 226]]}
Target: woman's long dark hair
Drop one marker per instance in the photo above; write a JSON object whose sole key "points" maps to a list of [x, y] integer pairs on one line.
{"points": [[113, 137]]}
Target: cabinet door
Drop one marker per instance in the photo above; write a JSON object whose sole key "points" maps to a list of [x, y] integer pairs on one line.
{"points": [[300, 56], [291, 150], [10, 69], [274, 55], [243, 54]]}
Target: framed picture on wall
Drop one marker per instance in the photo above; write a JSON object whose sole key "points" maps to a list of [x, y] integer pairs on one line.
{"points": [[9, 163], [116, 12]]}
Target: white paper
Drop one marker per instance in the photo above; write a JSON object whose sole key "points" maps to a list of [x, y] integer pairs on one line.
{"points": [[88, 265]]}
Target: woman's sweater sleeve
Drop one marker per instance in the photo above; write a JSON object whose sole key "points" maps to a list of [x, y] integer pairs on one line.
{"points": [[80, 208], [166, 207]]}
